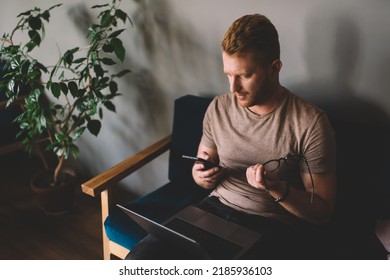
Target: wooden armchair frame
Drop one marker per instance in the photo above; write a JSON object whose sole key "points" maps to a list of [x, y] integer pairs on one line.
{"points": [[104, 185], [346, 231]]}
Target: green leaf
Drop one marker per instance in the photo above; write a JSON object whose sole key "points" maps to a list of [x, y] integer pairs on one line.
{"points": [[121, 14], [94, 58], [32, 66], [113, 87], [73, 88], [42, 121], [68, 56], [106, 19], [59, 137], [79, 60], [35, 37], [46, 15], [15, 62], [11, 85], [27, 13], [81, 91], [99, 95], [62, 75], [30, 46], [55, 6], [94, 127], [108, 61], [115, 33], [78, 132], [74, 150], [108, 48], [64, 88], [56, 89], [42, 67], [98, 70], [118, 49], [60, 151], [35, 75], [122, 73], [110, 106], [25, 66], [99, 6], [35, 94], [35, 23]]}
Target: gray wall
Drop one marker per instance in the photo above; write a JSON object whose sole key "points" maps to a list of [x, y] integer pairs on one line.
{"points": [[335, 53]]}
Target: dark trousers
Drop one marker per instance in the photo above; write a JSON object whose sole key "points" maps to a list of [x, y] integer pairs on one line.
{"points": [[279, 241]]}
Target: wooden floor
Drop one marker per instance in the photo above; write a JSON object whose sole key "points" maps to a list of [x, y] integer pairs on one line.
{"points": [[26, 233]]}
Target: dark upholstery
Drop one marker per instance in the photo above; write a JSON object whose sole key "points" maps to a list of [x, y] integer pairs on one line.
{"points": [[186, 134], [364, 189], [181, 190]]}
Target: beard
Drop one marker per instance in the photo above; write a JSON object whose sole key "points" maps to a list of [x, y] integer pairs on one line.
{"points": [[257, 96]]}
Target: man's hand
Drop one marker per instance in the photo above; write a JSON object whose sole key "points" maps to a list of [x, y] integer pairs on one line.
{"points": [[258, 178], [255, 176], [206, 178]]}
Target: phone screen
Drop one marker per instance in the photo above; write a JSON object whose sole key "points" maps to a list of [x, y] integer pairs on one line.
{"points": [[207, 164]]}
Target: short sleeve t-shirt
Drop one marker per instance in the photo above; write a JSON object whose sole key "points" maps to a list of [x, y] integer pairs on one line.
{"points": [[243, 138]]}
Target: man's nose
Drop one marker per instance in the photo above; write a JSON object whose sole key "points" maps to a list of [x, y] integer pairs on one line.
{"points": [[235, 85]]}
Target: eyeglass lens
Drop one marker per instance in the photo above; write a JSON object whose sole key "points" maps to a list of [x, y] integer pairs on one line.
{"points": [[273, 165]]}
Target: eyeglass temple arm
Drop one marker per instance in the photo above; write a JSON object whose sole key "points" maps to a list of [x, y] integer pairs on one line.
{"points": [[311, 179]]}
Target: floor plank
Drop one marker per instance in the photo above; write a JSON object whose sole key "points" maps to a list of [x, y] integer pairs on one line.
{"points": [[26, 232]]}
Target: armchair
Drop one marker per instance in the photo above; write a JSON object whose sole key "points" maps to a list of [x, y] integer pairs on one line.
{"points": [[361, 149], [120, 233]]}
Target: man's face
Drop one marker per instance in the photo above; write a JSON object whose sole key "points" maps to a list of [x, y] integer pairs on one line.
{"points": [[251, 82]]}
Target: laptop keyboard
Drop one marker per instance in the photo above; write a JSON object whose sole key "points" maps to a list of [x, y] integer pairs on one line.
{"points": [[217, 247]]}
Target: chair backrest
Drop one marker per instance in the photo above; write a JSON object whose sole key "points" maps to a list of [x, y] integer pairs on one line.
{"points": [[188, 116]]}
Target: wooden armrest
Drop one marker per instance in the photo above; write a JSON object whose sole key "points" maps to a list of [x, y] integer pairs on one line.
{"points": [[123, 169]]}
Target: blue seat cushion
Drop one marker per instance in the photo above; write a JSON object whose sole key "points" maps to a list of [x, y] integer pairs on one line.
{"points": [[167, 200], [158, 205]]}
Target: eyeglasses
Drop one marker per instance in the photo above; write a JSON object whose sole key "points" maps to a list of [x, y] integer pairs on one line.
{"points": [[290, 161]]}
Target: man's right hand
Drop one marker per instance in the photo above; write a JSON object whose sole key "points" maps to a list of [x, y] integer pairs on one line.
{"points": [[207, 178]]}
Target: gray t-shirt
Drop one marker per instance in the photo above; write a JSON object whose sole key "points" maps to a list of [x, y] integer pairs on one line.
{"points": [[243, 138]]}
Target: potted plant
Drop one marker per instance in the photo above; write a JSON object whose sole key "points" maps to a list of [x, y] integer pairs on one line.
{"points": [[65, 99]]}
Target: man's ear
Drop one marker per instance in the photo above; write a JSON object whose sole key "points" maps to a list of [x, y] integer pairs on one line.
{"points": [[277, 66]]}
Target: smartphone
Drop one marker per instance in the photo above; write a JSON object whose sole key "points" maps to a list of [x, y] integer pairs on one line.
{"points": [[207, 164]]}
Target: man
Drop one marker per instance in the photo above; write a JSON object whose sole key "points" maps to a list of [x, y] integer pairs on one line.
{"points": [[259, 121], [276, 153]]}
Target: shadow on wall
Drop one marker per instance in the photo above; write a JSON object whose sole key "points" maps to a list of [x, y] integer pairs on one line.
{"points": [[141, 91], [166, 60], [361, 126], [333, 70]]}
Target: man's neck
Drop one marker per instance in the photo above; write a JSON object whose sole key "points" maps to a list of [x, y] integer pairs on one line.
{"points": [[270, 104]]}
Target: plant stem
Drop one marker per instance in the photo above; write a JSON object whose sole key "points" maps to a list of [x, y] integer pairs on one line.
{"points": [[58, 168], [75, 124]]}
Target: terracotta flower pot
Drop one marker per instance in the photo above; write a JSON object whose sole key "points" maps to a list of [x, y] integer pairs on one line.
{"points": [[55, 200]]}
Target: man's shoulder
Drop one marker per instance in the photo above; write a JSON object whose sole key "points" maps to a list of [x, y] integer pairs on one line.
{"points": [[225, 100], [299, 104]]}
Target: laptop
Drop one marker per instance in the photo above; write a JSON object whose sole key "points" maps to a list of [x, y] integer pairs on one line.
{"points": [[197, 231]]}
